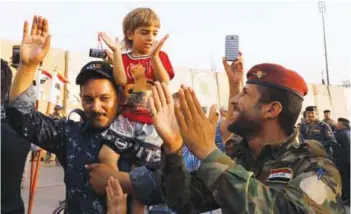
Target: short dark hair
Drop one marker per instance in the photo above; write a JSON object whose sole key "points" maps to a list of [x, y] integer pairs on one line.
{"points": [[343, 120], [290, 101], [6, 80], [327, 111]]}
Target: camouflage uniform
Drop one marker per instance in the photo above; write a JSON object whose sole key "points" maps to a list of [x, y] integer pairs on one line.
{"points": [[283, 179], [319, 131]]}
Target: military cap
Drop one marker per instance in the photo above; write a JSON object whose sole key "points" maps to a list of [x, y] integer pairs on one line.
{"points": [[327, 111], [310, 108], [277, 76]]}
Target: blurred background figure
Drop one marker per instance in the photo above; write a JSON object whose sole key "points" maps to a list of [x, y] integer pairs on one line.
{"points": [[58, 113], [318, 130], [14, 150], [342, 156], [327, 119]]}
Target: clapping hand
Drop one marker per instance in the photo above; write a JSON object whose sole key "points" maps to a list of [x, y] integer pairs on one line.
{"points": [[162, 111], [198, 131], [116, 199], [158, 46], [114, 45]]}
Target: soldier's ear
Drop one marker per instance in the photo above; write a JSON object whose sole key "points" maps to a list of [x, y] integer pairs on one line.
{"points": [[272, 110]]}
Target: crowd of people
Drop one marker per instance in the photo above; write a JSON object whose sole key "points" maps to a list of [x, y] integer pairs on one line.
{"points": [[139, 147], [335, 138]]}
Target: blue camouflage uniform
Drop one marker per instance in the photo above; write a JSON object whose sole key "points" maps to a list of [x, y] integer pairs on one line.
{"points": [[74, 144], [319, 131]]}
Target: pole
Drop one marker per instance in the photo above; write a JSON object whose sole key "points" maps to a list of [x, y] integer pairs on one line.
{"points": [[65, 90], [34, 174], [322, 11]]}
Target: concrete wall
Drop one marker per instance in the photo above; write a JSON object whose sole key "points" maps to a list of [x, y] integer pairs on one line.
{"points": [[211, 88]]}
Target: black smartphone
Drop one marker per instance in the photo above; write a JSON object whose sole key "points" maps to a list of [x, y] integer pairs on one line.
{"points": [[15, 55], [97, 53]]}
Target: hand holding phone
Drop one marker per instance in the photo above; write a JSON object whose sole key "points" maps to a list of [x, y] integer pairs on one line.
{"points": [[231, 47], [15, 55]]}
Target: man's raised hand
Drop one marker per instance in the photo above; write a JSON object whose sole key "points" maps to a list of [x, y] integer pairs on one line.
{"points": [[235, 71], [36, 44]]}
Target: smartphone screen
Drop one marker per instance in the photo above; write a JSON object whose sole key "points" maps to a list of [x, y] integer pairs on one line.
{"points": [[231, 47], [97, 53]]}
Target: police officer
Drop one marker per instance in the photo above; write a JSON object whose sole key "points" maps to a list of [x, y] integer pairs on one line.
{"points": [[317, 130], [327, 119]]}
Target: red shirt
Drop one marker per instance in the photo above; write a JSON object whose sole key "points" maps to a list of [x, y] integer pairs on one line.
{"points": [[140, 73]]}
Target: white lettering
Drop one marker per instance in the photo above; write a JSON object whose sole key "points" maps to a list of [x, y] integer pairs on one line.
{"points": [[140, 152], [121, 144]]}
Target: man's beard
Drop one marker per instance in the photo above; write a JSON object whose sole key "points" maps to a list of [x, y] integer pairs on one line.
{"points": [[245, 126], [95, 123]]}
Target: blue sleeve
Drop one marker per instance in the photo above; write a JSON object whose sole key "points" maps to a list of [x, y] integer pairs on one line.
{"points": [[302, 137], [328, 136], [39, 129], [219, 140], [343, 138], [145, 185]]}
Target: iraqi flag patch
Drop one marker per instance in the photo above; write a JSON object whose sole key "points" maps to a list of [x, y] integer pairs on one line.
{"points": [[282, 175]]}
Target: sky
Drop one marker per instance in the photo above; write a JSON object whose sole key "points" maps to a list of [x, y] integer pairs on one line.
{"points": [[283, 32]]}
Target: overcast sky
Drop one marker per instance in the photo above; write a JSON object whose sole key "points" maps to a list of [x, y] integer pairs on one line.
{"points": [[288, 33]]}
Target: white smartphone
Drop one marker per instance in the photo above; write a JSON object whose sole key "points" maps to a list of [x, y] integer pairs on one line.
{"points": [[231, 47]]}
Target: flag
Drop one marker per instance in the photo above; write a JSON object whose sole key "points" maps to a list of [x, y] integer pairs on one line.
{"points": [[56, 86], [41, 77]]}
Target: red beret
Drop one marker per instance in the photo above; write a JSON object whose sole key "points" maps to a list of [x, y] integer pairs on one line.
{"points": [[273, 75]]}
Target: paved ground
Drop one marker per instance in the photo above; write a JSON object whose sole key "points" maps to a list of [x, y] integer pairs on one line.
{"points": [[50, 190]]}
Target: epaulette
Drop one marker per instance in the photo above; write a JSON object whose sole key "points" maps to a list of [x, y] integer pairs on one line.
{"points": [[314, 148]]}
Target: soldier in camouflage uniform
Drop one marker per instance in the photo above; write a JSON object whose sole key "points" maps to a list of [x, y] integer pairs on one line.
{"points": [[318, 130], [269, 171]]}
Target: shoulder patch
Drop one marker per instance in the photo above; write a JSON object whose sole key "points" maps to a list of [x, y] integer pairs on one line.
{"points": [[280, 175], [315, 189]]}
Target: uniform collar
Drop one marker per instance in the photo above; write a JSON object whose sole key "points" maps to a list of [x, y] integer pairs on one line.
{"points": [[315, 122], [277, 149]]}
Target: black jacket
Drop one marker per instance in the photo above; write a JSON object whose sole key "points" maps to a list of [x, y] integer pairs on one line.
{"points": [[14, 151]]}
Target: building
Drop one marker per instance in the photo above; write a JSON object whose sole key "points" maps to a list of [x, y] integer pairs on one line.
{"points": [[346, 83], [210, 87]]}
